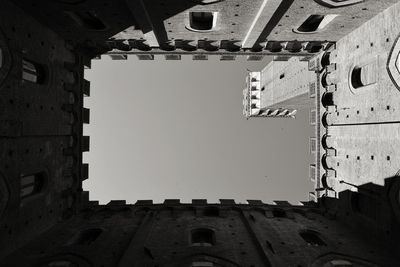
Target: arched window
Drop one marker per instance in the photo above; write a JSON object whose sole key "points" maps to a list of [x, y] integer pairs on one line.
{"points": [[202, 237], [33, 72], [32, 184], [202, 21], [312, 238]]}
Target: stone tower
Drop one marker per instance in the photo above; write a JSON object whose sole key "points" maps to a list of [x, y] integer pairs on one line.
{"points": [[46, 219]]}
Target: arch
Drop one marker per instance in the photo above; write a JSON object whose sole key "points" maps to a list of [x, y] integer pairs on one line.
{"points": [[393, 63], [324, 181]]}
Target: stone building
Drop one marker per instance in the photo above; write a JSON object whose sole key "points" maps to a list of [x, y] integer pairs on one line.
{"points": [[280, 89], [46, 219]]}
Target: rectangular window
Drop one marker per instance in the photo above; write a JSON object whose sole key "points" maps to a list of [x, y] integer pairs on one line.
{"points": [[31, 184], [32, 72], [313, 117]]}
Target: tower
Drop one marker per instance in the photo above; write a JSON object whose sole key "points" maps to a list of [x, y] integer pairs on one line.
{"points": [[46, 219]]}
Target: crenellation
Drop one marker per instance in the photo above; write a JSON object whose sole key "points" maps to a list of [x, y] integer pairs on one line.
{"points": [[337, 59]]}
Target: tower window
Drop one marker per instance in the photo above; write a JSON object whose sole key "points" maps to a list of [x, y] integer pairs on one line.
{"points": [[279, 213], [32, 184], [315, 23], [61, 264], [202, 21], [32, 72], [86, 237], [202, 264], [1, 57], [312, 238], [203, 237], [211, 212], [88, 20], [364, 76]]}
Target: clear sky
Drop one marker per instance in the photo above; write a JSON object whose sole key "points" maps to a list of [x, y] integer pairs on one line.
{"points": [[174, 129]]}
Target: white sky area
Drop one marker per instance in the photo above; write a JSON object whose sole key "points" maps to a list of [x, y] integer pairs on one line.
{"points": [[174, 129]]}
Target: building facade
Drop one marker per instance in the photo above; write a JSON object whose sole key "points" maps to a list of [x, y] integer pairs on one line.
{"points": [[46, 219], [280, 89]]}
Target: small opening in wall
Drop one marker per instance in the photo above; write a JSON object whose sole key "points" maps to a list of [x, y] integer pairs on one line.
{"points": [[202, 21], [33, 72], [32, 184], [88, 20], [282, 76], [356, 81], [60, 263], [87, 236], [202, 264], [279, 213], [315, 23], [202, 237], [327, 99], [312, 238], [211, 212]]}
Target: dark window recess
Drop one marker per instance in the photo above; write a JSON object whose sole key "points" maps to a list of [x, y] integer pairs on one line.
{"points": [[33, 72], [211, 212], [327, 100], [311, 24], [279, 213], [201, 21], [32, 184], [88, 20], [61, 263], [202, 264], [356, 81], [269, 245], [203, 237], [312, 238], [86, 237], [1, 57]]}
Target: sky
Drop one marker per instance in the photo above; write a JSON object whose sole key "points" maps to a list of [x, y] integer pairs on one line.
{"points": [[175, 130]]}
